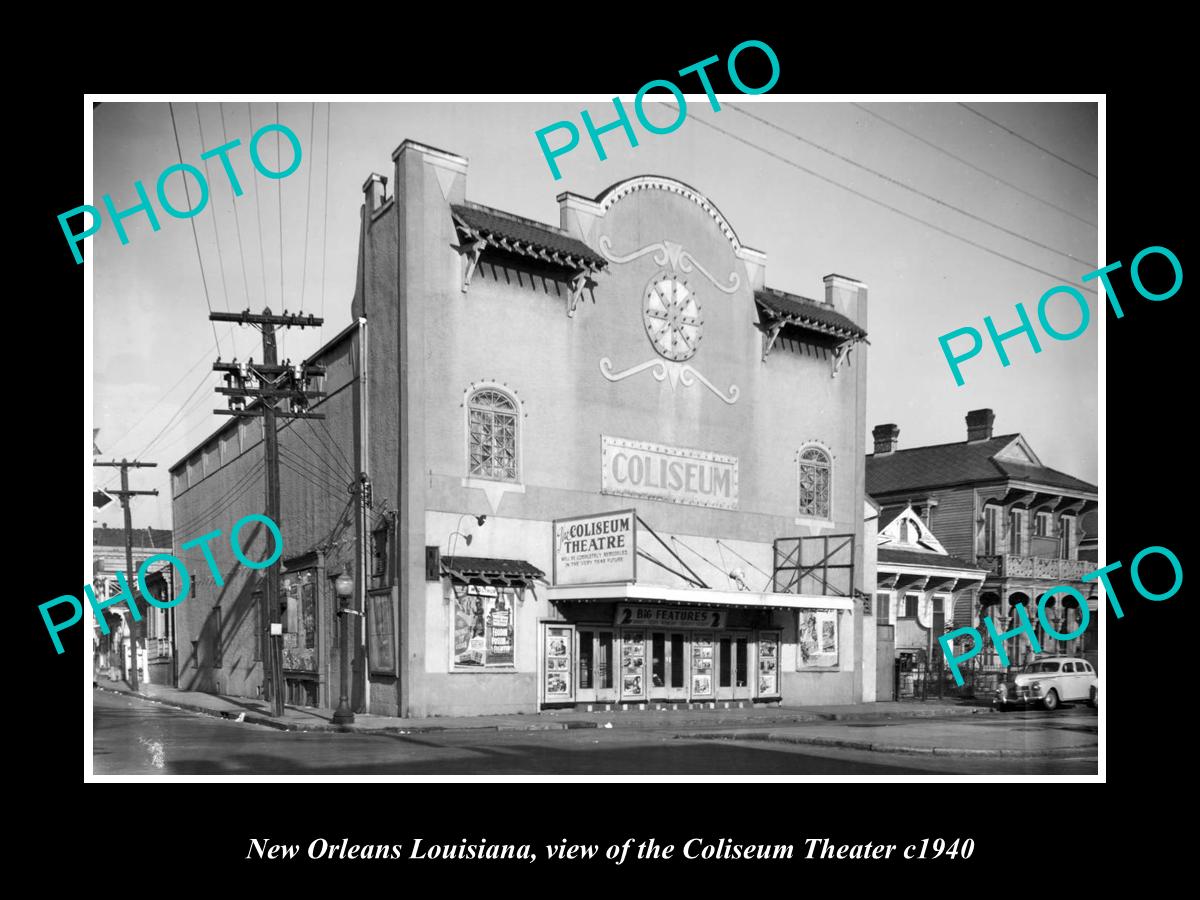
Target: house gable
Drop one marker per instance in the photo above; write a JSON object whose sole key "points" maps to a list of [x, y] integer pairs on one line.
{"points": [[1018, 451], [907, 532]]}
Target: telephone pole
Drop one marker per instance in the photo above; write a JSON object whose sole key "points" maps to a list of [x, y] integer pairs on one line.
{"points": [[275, 382], [130, 574]]}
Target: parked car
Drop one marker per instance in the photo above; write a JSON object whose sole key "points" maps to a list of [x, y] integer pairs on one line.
{"points": [[1049, 680]]}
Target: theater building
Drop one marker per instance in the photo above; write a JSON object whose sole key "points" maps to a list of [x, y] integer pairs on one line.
{"points": [[607, 464]]}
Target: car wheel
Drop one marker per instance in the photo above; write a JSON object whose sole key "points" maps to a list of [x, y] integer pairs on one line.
{"points": [[1050, 701], [1093, 699]]}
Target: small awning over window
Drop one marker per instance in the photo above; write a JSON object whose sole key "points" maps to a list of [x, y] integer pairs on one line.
{"points": [[483, 228], [804, 314], [489, 571], [810, 321]]}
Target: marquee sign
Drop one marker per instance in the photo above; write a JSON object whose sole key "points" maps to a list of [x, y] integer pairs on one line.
{"points": [[597, 549], [670, 616], [673, 474]]}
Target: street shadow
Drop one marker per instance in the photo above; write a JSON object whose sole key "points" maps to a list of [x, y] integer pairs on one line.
{"points": [[522, 759]]}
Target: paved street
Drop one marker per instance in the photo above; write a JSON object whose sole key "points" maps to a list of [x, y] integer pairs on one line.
{"points": [[134, 736]]}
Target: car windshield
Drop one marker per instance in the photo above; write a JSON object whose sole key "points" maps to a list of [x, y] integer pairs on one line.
{"points": [[1042, 667]]}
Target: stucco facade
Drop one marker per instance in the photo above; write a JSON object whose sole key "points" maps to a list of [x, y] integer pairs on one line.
{"points": [[609, 391]]}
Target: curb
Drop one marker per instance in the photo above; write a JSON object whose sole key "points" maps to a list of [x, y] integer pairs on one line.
{"points": [[877, 747], [798, 718], [257, 719]]}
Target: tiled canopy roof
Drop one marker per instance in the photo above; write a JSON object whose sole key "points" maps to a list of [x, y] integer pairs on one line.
{"points": [[509, 232], [488, 570], [928, 560], [805, 313]]}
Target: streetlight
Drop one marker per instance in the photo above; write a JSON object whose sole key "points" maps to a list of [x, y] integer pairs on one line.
{"points": [[479, 520], [343, 586]]}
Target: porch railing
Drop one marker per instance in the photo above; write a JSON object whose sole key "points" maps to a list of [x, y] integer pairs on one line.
{"points": [[1008, 564]]}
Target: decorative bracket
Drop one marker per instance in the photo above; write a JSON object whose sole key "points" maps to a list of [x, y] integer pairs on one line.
{"points": [[887, 580], [472, 249], [770, 335], [841, 353], [581, 281]]}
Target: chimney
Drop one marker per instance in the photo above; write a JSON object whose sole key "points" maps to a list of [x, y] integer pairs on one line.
{"points": [[847, 296], [375, 192], [886, 438], [979, 425]]}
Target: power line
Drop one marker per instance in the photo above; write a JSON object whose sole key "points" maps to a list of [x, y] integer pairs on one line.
{"points": [[289, 459], [232, 492], [971, 165], [1028, 141], [320, 455], [165, 394], [333, 441], [262, 258], [216, 232], [202, 422], [236, 220], [326, 459], [311, 475], [868, 197], [279, 197], [192, 219], [223, 502], [172, 419], [909, 187], [316, 434], [325, 219], [307, 206]]}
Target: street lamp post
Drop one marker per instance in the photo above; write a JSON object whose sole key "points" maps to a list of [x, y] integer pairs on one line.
{"points": [[343, 586]]}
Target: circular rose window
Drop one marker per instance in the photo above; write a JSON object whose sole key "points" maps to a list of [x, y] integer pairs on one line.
{"points": [[671, 315]]}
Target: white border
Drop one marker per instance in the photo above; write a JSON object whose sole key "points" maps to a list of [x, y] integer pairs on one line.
{"points": [[768, 98]]}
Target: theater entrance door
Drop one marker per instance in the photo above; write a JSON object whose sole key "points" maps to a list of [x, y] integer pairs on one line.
{"points": [[597, 678], [733, 665], [668, 665]]}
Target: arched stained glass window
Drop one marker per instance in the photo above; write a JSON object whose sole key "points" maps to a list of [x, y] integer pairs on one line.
{"points": [[492, 436], [815, 477]]}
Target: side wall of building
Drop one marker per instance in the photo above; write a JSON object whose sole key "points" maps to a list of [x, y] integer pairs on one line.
{"points": [[219, 626]]}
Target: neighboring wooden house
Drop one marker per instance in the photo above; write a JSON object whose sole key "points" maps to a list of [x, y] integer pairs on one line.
{"points": [[156, 653], [994, 504], [917, 586]]}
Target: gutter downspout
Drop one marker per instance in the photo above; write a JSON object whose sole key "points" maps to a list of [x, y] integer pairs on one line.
{"points": [[364, 511]]}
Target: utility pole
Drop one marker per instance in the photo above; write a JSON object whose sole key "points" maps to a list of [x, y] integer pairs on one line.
{"points": [[130, 574], [275, 382]]}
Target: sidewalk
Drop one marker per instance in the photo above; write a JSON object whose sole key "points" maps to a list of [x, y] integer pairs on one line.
{"points": [[257, 712], [991, 737]]}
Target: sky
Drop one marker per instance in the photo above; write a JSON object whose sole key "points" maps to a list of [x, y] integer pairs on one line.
{"points": [[292, 243]]}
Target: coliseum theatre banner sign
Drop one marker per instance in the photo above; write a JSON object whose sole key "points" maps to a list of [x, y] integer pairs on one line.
{"points": [[595, 549], [674, 474]]}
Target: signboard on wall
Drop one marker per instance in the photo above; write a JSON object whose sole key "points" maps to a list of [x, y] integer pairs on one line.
{"points": [[818, 638], [673, 474], [595, 549], [381, 630], [671, 616]]}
